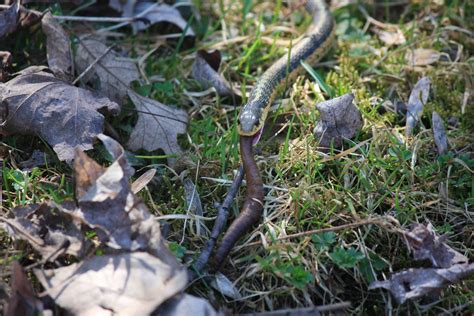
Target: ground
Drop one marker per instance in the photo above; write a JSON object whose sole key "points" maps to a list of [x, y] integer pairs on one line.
{"points": [[387, 174]]}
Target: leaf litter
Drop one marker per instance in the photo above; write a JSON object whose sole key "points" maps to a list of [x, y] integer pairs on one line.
{"points": [[15, 17], [127, 284], [22, 299], [449, 266], [58, 48], [8, 19], [439, 133], [5, 64], [150, 13], [158, 127], [135, 280], [38, 103], [50, 229], [417, 100], [104, 68], [205, 70], [422, 57], [339, 119]]}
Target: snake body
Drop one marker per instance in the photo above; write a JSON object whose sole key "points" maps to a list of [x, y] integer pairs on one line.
{"points": [[316, 42]]}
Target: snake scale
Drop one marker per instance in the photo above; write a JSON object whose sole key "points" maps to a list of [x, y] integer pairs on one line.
{"points": [[312, 47]]}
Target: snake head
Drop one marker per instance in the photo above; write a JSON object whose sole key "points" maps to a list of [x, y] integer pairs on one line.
{"points": [[251, 119]]}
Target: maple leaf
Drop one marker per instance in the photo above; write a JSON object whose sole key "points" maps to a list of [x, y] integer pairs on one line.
{"points": [[65, 116], [113, 73], [157, 127]]}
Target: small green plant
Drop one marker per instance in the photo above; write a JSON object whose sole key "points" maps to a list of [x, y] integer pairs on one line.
{"points": [[177, 249], [292, 272], [346, 258], [366, 265], [324, 241]]}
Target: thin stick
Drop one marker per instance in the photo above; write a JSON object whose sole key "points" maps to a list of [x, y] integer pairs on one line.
{"points": [[315, 310], [382, 221], [138, 16], [106, 19], [92, 65], [222, 215]]}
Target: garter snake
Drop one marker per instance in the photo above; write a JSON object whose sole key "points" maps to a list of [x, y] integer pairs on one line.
{"points": [[316, 42]]}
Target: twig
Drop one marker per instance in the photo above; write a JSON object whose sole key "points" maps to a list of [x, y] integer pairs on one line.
{"points": [[315, 310], [97, 60], [381, 221], [109, 19], [102, 19], [138, 16], [223, 213]]}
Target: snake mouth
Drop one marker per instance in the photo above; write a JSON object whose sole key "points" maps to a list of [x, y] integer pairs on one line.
{"points": [[256, 137]]}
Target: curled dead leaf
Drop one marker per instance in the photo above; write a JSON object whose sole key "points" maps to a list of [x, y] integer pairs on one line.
{"points": [[150, 12], [205, 70], [415, 283], [422, 57], [425, 244], [339, 119], [418, 98], [58, 48], [194, 205], [16, 16], [439, 134], [9, 18], [123, 284], [186, 304], [38, 103], [50, 229], [390, 38], [23, 300]]}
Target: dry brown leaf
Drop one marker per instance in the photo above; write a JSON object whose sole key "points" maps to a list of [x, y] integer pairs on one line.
{"points": [[143, 180], [186, 304], [67, 117], [193, 204], [121, 284], [151, 12], [157, 127], [38, 158], [391, 37], [426, 245], [22, 298], [107, 204], [132, 281], [418, 98], [113, 73], [222, 284], [16, 16], [414, 283], [5, 64], [9, 19], [339, 119], [58, 48], [450, 266], [50, 230], [205, 70], [422, 57], [439, 134]]}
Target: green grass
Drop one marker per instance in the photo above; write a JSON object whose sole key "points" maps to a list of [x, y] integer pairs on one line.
{"points": [[386, 175]]}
